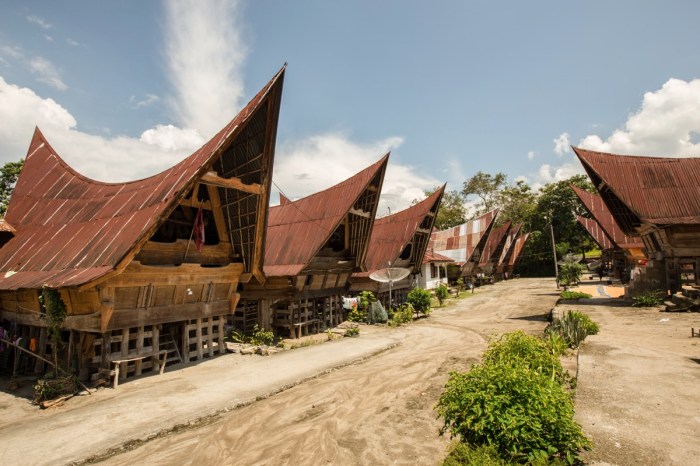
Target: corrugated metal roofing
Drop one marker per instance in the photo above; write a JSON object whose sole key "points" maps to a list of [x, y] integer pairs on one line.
{"points": [[494, 245], [72, 229], [656, 190], [518, 250], [432, 256], [392, 233], [599, 211], [596, 231], [458, 243], [508, 245], [298, 230]]}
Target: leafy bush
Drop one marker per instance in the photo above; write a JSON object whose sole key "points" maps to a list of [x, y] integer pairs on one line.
{"points": [[419, 299], [460, 285], [574, 295], [523, 414], [464, 454], [648, 299], [261, 337], [556, 344], [403, 314], [441, 293], [574, 327], [50, 388], [352, 332], [519, 349], [570, 273], [359, 313]]}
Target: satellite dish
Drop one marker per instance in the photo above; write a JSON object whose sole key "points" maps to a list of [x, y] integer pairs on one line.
{"points": [[390, 274]]}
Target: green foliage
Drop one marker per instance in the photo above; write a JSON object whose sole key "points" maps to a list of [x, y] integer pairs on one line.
{"points": [[519, 349], [50, 388], [486, 187], [261, 337], [521, 413], [570, 273], [441, 293], [452, 210], [420, 300], [462, 454], [574, 327], [648, 299], [460, 285], [574, 295], [359, 313], [352, 332], [402, 315], [556, 344], [56, 312], [518, 204], [8, 177]]}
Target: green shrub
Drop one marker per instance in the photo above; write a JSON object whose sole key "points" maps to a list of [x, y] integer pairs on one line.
{"points": [[464, 454], [261, 337], [441, 293], [460, 285], [574, 327], [570, 273], [359, 313], [352, 332], [519, 349], [648, 299], [556, 343], [522, 413], [402, 315], [574, 295], [420, 300]]}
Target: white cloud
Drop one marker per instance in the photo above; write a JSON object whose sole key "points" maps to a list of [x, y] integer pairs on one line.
{"points": [[561, 144], [666, 124], [171, 138], [205, 53], [73, 42], [530, 155], [12, 52], [108, 159], [41, 22], [319, 162], [551, 174], [46, 73], [48, 38], [148, 99]]}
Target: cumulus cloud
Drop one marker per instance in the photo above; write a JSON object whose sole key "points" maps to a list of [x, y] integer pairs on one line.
{"points": [[307, 166], [149, 99], [205, 53], [667, 124], [530, 155], [171, 138], [561, 144], [40, 21]]}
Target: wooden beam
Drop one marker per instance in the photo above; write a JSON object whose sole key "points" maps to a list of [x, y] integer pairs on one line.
{"points": [[211, 178], [106, 307], [125, 318], [137, 274], [195, 204], [155, 253], [219, 219]]}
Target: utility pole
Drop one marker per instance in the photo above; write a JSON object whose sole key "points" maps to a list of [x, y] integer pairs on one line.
{"points": [[554, 249]]}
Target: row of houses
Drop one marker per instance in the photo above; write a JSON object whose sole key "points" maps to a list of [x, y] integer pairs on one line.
{"points": [[162, 266], [645, 216]]}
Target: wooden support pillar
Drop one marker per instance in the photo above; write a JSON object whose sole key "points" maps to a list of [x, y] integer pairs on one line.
{"points": [[155, 345], [222, 337], [125, 353], [186, 342], [210, 335], [200, 351], [41, 351], [106, 357], [139, 351]]}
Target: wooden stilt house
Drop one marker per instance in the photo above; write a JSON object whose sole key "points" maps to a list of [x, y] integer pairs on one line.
{"points": [[508, 249], [313, 246], [624, 251], [148, 270], [464, 243], [492, 250], [398, 240], [658, 200]]}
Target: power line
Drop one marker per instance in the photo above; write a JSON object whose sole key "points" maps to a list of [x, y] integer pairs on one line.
{"points": [[315, 221]]}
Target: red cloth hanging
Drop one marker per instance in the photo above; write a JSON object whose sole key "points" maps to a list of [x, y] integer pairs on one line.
{"points": [[199, 230]]}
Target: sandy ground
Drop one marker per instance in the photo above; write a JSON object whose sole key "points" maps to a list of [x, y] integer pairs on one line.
{"points": [[636, 395]]}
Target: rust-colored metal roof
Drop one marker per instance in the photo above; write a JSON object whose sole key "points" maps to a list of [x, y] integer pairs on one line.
{"points": [[508, 245], [391, 234], [655, 190], [494, 245], [459, 243], [599, 211], [596, 231], [432, 256], [518, 248], [72, 230], [298, 230]]}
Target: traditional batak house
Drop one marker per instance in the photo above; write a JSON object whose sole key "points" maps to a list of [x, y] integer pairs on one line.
{"points": [[148, 267], [626, 252], [313, 246], [399, 240], [464, 243], [502, 266], [518, 248], [657, 199], [492, 250], [433, 271]]}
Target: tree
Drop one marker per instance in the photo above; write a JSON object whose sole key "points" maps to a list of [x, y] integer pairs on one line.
{"points": [[8, 177], [518, 204], [452, 210], [486, 187]]}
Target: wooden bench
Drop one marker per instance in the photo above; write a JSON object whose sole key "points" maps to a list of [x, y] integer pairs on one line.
{"points": [[156, 358]]}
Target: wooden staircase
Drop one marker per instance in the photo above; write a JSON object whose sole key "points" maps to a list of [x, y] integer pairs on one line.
{"points": [[167, 343]]}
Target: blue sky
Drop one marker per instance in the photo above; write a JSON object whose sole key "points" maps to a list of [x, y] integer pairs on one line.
{"points": [[125, 89]]}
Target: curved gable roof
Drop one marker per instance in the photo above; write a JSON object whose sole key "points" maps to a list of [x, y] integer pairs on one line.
{"points": [[72, 229], [656, 190], [596, 231], [494, 245], [392, 233], [298, 230]]}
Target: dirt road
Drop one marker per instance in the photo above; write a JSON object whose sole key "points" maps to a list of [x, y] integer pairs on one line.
{"points": [[377, 412]]}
